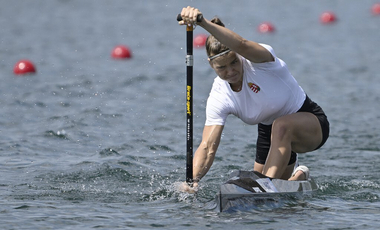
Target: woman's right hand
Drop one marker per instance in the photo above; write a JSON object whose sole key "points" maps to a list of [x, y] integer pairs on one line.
{"points": [[185, 187]]}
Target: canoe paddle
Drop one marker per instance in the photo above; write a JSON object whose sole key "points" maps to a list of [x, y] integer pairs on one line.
{"points": [[189, 99]]}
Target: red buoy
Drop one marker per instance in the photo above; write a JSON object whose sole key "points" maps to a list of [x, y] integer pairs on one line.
{"points": [[24, 67], [376, 9], [200, 40], [328, 17], [266, 27], [121, 52]]}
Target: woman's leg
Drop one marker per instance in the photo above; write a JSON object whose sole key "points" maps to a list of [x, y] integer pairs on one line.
{"points": [[288, 171], [300, 132]]}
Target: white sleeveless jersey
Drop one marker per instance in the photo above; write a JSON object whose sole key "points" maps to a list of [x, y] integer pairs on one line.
{"points": [[269, 91]]}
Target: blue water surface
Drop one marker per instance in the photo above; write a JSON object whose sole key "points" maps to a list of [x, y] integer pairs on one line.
{"points": [[92, 142]]}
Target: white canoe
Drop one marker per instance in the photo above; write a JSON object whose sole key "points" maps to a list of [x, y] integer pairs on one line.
{"points": [[249, 189]]}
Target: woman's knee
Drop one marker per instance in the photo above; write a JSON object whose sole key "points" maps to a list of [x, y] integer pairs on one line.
{"points": [[301, 130], [282, 129]]}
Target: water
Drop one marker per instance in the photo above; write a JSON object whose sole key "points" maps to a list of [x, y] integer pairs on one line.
{"points": [[90, 142]]}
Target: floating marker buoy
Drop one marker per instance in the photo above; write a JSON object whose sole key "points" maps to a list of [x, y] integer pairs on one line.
{"points": [[376, 9], [121, 52], [200, 40], [266, 27], [328, 17], [24, 67]]}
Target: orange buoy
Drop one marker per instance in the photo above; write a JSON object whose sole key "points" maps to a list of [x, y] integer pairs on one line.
{"points": [[200, 40], [24, 67], [376, 9], [266, 27], [328, 17], [121, 52]]}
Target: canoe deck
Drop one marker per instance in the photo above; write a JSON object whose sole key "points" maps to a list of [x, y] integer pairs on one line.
{"points": [[247, 189]]}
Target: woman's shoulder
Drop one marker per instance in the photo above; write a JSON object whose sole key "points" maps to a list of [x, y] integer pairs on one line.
{"points": [[218, 82], [263, 64], [219, 87], [269, 48]]}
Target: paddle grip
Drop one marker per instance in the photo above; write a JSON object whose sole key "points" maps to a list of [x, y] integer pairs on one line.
{"points": [[199, 17]]}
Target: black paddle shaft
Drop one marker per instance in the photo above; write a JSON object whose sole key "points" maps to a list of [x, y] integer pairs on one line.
{"points": [[189, 99], [189, 105]]}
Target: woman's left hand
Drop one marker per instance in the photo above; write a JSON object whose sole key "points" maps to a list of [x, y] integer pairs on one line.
{"points": [[189, 16]]}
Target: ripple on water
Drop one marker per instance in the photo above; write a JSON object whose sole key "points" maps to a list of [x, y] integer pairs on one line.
{"points": [[351, 190]]}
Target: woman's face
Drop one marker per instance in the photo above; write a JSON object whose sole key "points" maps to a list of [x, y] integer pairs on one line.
{"points": [[228, 67]]}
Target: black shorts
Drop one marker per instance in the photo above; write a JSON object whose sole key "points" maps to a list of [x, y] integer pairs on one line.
{"points": [[264, 132]]}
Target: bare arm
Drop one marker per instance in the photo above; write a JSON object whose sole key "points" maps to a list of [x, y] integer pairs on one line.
{"points": [[205, 154], [249, 49]]}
